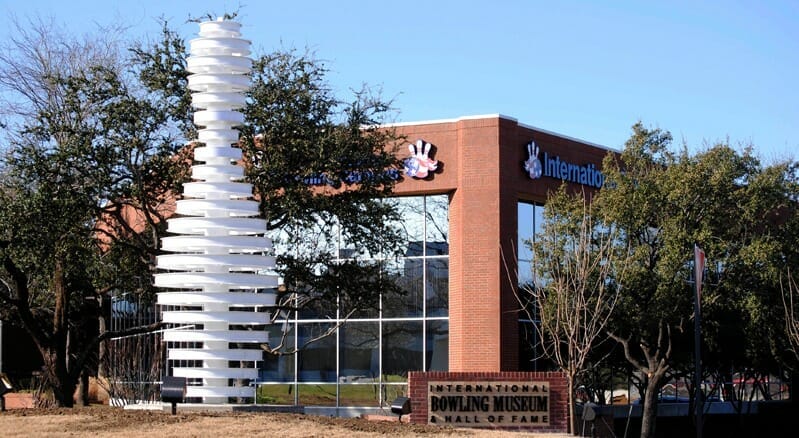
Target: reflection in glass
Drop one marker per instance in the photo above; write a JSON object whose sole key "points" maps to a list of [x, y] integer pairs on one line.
{"points": [[275, 394], [408, 276], [360, 301], [437, 350], [530, 220], [437, 286], [316, 360], [525, 229], [411, 210], [528, 341], [437, 225], [275, 367], [359, 394], [351, 364], [359, 351], [320, 237], [525, 273], [317, 395], [402, 348]]}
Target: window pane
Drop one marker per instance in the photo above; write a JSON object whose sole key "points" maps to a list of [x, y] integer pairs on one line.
{"points": [[317, 395], [528, 347], [277, 368], [276, 394], [437, 282], [360, 394], [402, 349], [538, 218], [411, 224], [408, 276], [359, 352], [359, 297], [437, 346], [313, 306], [525, 228], [437, 225], [316, 361], [525, 273]]}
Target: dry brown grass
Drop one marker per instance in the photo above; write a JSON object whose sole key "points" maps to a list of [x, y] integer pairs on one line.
{"points": [[115, 422]]}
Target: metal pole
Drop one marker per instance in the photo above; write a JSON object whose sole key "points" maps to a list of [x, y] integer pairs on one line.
{"points": [[699, 267], [698, 398]]}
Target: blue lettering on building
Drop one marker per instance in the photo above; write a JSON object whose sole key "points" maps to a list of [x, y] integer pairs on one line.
{"points": [[353, 177], [587, 174]]}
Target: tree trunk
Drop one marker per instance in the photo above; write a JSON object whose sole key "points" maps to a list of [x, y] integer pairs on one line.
{"points": [[63, 386], [83, 388], [102, 327], [572, 407], [649, 413]]}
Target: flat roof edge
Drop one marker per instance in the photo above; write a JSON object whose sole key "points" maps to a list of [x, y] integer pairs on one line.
{"points": [[568, 137], [453, 120], [501, 116]]}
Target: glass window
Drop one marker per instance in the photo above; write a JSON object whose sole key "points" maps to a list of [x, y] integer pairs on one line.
{"points": [[275, 394], [359, 351], [316, 307], [437, 286], [528, 346], [437, 350], [365, 361], [529, 222], [402, 349], [437, 225], [411, 224], [361, 299], [275, 367], [525, 272], [408, 276], [359, 394], [525, 226], [316, 359], [317, 395]]}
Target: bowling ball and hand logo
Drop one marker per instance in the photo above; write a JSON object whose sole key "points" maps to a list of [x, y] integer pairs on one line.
{"points": [[533, 165], [419, 164]]}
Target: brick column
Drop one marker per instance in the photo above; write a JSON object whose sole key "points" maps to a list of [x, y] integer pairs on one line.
{"points": [[479, 340]]}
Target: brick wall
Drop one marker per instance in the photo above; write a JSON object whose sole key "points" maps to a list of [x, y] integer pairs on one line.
{"points": [[558, 401]]}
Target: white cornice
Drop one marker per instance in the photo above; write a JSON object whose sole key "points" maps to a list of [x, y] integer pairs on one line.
{"points": [[501, 116]]}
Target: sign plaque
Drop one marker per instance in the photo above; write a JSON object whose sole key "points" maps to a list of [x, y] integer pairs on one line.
{"points": [[488, 404]]}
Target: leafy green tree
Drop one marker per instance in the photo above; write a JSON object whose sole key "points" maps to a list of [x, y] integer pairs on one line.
{"points": [[322, 171], [90, 156], [663, 203], [96, 150]]}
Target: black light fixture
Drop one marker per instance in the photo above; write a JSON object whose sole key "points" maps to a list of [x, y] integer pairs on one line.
{"points": [[401, 406], [173, 390]]}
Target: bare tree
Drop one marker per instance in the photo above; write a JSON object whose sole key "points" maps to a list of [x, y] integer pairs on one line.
{"points": [[574, 292]]}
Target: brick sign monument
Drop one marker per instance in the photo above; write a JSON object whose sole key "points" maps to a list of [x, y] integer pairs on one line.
{"points": [[503, 400]]}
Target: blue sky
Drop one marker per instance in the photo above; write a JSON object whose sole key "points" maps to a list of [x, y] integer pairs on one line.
{"points": [[705, 71]]}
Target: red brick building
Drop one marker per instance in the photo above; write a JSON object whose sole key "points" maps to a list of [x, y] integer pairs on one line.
{"points": [[482, 168], [470, 196]]}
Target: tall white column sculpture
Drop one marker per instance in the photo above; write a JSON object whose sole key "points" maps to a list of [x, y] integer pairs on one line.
{"points": [[216, 269]]}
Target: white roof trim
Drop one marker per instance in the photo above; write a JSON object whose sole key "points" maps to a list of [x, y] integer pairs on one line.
{"points": [[501, 116]]}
